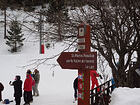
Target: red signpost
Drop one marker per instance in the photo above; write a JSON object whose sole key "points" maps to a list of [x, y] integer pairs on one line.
{"points": [[84, 61], [84, 46]]}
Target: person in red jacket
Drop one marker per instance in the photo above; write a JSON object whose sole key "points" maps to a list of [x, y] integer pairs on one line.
{"points": [[94, 80], [28, 88], [1, 89]]}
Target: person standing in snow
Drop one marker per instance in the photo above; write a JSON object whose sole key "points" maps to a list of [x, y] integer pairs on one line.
{"points": [[1, 89], [33, 84], [75, 86], [36, 76], [17, 89], [28, 88]]}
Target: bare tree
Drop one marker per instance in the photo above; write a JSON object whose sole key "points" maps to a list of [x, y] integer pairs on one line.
{"points": [[113, 34], [115, 38], [133, 8]]}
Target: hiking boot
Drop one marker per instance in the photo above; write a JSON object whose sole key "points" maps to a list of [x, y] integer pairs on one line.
{"points": [[37, 95], [76, 99]]}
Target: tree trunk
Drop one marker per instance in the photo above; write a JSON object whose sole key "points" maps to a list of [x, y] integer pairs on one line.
{"points": [[59, 31], [15, 47], [5, 23], [119, 78], [59, 27]]}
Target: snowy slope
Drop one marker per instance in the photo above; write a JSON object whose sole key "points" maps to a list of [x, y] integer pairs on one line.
{"points": [[54, 90]]}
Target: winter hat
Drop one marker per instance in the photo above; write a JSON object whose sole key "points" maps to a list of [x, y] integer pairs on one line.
{"points": [[28, 71], [17, 77], [36, 71]]}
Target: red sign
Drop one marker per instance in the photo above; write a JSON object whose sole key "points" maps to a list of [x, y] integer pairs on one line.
{"points": [[84, 38], [78, 60]]}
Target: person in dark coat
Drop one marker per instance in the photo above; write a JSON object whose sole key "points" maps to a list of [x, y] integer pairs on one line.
{"points": [[75, 86], [17, 89], [28, 88], [1, 89]]}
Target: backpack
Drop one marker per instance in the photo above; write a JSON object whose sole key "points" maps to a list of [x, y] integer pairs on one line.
{"points": [[6, 101]]}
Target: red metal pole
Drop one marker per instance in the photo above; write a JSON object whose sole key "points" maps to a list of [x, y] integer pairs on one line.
{"points": [[42, 49]]}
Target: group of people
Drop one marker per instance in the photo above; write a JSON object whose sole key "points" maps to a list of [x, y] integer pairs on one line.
{"points": [[93, 75], [94, 80], [30, 85]]}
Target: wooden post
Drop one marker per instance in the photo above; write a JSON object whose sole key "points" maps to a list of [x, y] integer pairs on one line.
{"points": [[84, 61], [84, 46]]}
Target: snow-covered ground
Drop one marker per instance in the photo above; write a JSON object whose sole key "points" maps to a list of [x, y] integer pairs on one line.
{"points": [[125, 96], [55, 90], [56, 85]]}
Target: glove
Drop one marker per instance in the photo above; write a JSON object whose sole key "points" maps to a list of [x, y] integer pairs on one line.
{"points": [[10, 83]]}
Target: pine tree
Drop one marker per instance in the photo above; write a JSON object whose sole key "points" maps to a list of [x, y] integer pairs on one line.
{"points": [[15, 38]]}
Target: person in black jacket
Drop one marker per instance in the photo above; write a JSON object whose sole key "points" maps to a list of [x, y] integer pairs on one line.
{"points": [[1, 89], [17, 89], [75, 86]]}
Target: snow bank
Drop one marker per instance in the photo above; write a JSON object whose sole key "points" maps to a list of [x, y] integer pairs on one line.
{"points": [[125, 96]]}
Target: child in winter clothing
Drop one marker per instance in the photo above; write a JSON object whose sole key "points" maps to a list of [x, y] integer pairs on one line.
{"points": [[17, 89], [1, 89]]}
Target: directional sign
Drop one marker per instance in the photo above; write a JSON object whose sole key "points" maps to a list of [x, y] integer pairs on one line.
{"points": [[78, 60]]}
